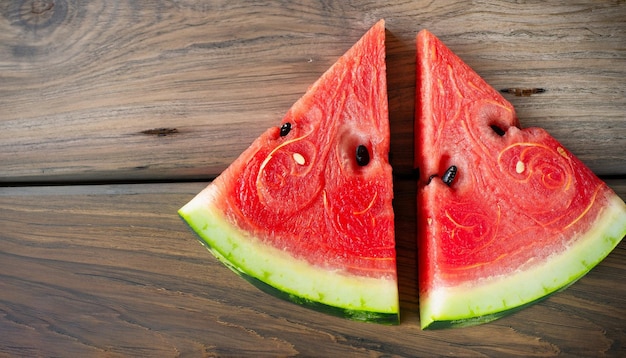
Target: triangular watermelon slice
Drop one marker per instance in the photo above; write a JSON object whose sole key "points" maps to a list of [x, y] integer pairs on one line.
{"points": [[306, 211], [505, 216]]}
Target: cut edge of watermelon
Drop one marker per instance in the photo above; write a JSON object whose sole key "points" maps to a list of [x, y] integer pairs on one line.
{"points": [[355, 297], [461, 306]]}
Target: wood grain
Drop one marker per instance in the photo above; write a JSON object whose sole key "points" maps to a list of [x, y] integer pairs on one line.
{"points": [[120, 91], [86, 87], [110, 270]]}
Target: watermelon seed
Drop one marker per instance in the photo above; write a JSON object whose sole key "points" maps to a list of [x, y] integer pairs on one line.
{"points": [[430, 178], [499, 131], [362, 155], [298, 158], [284, 129], [449, 175]]}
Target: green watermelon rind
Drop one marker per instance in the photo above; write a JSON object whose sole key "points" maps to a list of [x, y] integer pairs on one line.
{"points": [[468, 305], [276, 272]]}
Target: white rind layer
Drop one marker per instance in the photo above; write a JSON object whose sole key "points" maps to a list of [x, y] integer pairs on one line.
{"points": [[247, 255], [470, 304]]}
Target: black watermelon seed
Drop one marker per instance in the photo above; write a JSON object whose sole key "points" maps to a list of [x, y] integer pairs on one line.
{"points": [[499, 131], [284, 129], [449, 175], [362, 155]]}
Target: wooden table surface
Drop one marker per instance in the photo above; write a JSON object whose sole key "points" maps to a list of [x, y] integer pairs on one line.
{"points": [[113, 114]]}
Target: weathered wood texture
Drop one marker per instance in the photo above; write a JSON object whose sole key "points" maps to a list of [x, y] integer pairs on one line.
{"points": [[112, 270], [83, 85], [109, 91]]}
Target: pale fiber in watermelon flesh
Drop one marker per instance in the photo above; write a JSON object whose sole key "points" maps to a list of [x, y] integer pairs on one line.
{"points": [[306, 211], [522, 218]]}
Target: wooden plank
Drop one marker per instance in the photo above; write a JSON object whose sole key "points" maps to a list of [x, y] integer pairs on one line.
{"points": [[112, 270], [86, 87]]}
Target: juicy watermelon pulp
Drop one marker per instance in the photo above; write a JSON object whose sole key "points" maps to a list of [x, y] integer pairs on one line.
{"points": [[522, 217], [305, 212]]}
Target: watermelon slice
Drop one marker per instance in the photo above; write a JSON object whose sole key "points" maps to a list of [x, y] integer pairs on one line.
{"points": [[306, 211], [505, 216]]}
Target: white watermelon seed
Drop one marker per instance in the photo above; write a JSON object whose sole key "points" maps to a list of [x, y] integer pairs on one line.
{"points": [[520, 167], [298, 158]]}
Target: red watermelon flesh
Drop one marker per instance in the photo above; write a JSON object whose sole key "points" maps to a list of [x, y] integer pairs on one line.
{"points": [[522, 217], [305, 212]]}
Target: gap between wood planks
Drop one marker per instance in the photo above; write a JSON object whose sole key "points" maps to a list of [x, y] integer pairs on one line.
{"points": [[396, 177]]}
